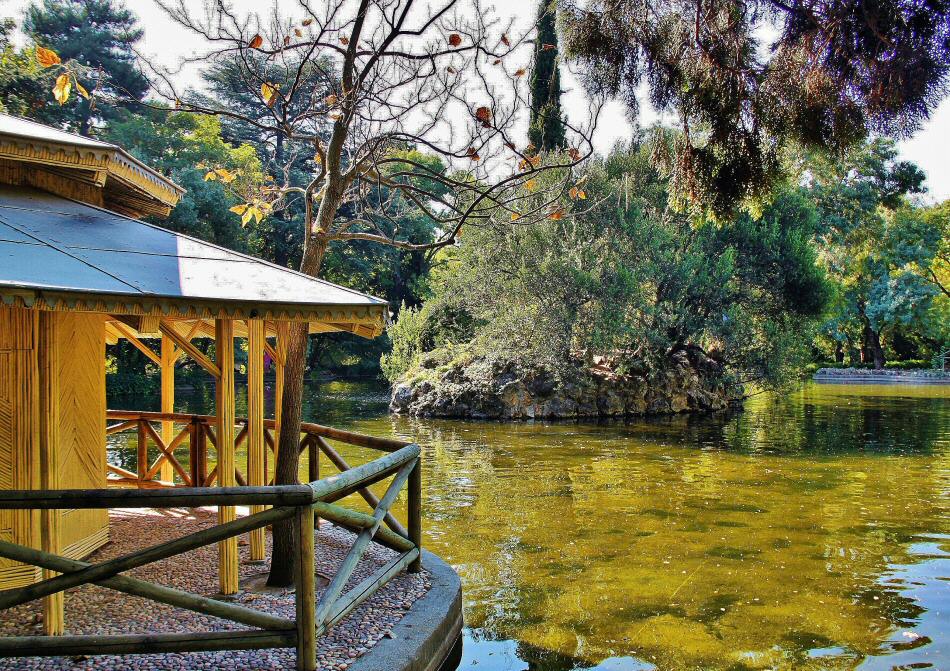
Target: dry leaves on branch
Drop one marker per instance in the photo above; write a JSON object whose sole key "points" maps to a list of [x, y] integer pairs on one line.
{"points": [[256, 42], [47, 57], [455, 39], [269, 93], [483, 114], [62, 88]]}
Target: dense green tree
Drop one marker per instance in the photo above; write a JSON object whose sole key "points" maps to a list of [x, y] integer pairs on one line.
{"points": [[628, 276], [878, 248], [746, 79], [546, 130], [24, 91], [183, 146], [98, 35]]}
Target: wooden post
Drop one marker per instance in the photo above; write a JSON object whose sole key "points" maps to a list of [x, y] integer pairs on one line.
{"points": [[142, 451], [283, 333], [255, 423], [306, 600], [224, 431], [415, 513], [48, 378], [169, 355]]}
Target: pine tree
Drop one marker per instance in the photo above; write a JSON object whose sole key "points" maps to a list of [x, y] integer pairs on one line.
{"points": [[547, 125], [98, 34]]}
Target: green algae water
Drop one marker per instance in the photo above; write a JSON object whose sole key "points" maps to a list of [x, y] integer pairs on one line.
{"points": [[810, 531]]}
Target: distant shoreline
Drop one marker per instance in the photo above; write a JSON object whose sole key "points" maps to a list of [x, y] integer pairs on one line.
{"points": [[863, 375]]}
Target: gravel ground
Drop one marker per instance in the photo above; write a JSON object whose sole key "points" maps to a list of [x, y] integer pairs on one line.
{"points": [[96, 610]]}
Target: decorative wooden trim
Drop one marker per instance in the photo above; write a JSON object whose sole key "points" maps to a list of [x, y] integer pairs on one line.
{"points": [[368, 321], [102, 162]]}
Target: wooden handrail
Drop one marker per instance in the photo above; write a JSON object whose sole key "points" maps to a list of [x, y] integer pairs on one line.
{"points": [[350, 437]]}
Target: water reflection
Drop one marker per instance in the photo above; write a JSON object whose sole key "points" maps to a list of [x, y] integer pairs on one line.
{"points": [[808, 532]]}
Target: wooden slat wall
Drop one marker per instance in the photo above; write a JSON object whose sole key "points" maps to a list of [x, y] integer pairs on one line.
{"points": [[18, 467]]}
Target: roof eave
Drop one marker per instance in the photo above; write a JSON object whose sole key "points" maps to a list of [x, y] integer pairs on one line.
{"points": [[367, 320]]}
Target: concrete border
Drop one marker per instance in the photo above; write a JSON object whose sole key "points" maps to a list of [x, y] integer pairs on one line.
{"points": [[428, 637]]}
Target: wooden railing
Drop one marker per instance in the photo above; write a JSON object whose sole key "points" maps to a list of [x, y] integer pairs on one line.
{"points": [[196, 434], [303, 503]]}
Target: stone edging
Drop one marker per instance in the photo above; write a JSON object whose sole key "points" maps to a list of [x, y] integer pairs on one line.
{"points": [[426, 636]]}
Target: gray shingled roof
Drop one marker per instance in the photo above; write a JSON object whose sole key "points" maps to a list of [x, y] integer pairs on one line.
{"points": [[52, 243]]}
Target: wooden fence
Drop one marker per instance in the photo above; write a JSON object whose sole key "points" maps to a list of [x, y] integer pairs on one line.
{"points": [[300, 502]]}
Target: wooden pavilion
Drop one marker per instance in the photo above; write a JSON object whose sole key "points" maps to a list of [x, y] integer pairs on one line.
{"points": [[79, 270]]}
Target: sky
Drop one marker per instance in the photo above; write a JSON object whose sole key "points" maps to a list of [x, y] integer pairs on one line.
{"points": [[166, 42]]}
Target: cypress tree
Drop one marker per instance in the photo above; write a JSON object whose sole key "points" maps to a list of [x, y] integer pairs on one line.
{"points": [[546, 131]]}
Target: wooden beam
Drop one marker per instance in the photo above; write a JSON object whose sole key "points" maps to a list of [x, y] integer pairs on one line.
{"points": [[337, 459], [256, 343], [159, 593], [168, 330], [130, 335], [283, 334], [306, 600], [225, 412], [49, 443], [169, 357], [113, 567], [36, 646], [273, 354]]}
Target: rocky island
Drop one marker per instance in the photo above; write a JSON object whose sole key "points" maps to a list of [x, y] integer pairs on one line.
{"points": [[496, 387]]}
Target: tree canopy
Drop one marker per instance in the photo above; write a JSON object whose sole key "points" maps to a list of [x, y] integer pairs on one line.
{"points": [[744, 80]]}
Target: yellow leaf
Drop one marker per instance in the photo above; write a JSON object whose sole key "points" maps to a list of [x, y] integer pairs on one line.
{"points": [[47, 57], [250, 213], [226, 175], [582, 195], [515, 216], [556, 214], [573, 193], [331, 100], [269, 93], [80, 89], [531, 184], [63, 86], [211, 176], [238, 209], [256, 42]]}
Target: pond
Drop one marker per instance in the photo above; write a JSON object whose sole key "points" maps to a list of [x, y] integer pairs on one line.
{"points": [[811, 531]]}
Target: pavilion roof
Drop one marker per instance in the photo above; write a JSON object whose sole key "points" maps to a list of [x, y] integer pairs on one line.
{"points": [[128, 185], [57, 253]]}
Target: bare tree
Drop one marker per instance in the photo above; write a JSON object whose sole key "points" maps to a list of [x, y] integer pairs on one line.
{"points": [[368, 91]]}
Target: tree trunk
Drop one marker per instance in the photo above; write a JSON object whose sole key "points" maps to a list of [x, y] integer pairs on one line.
{"points": [[288, 445], [877, 352], [839, 352]]}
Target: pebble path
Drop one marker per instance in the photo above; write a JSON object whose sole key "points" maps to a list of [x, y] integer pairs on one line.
{"points": [[96, 610]]}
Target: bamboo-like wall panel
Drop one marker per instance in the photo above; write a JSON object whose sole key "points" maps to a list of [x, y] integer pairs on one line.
{"points": [[80, 339], [18, 467]]}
